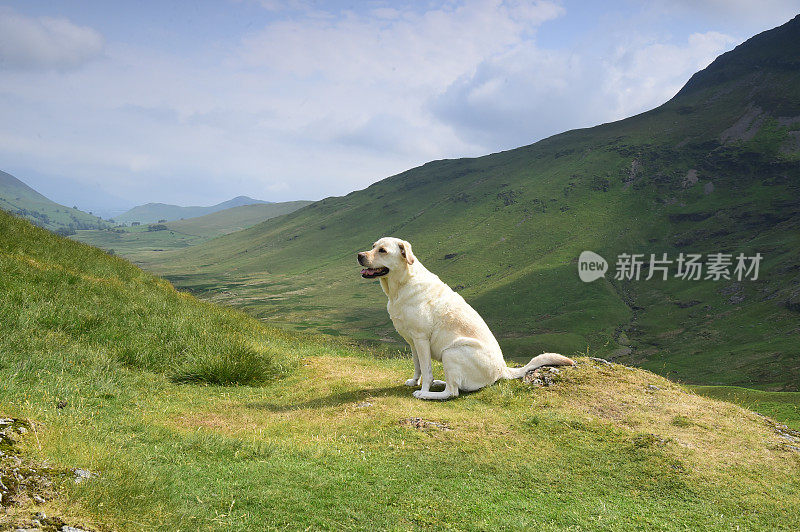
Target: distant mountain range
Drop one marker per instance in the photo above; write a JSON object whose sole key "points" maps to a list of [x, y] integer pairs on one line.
{"points": [[155, 212], [18, 198], [139, 243]]}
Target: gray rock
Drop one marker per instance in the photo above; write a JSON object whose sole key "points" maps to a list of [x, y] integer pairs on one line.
{"points": [[83, 474], [690, 179], [66, 528]]}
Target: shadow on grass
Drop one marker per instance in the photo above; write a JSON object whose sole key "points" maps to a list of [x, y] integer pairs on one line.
{"points": [[337, 399]]}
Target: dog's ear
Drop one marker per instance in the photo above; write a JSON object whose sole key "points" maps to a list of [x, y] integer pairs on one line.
{"points": [[405, 251]]}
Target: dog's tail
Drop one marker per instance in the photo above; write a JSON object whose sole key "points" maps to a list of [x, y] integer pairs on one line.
{"points": [[545, 359]]}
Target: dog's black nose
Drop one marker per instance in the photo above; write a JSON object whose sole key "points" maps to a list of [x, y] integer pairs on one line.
{"points": [[361, 256]]}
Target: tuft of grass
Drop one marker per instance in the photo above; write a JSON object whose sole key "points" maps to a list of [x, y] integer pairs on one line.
{"points": [[226, 363]]}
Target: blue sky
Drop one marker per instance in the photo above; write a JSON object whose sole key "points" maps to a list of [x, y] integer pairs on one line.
{"points": [[110, 104]]}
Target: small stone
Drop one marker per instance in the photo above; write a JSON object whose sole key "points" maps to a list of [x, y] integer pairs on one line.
{"points": [[66, 528], [83, 474], [39, 499], [652, 387], [365, 404]]}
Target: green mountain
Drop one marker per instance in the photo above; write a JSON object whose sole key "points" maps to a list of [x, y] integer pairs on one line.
{"points": [[154, 212], [18, 198], [140, 243], [713, 171], [180, 415]]}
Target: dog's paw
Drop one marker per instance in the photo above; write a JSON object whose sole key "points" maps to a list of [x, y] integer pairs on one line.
{"points": [[438, 383], [412, 382], [432, 396]]}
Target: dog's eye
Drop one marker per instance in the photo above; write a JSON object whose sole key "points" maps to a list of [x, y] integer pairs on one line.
{"points": [[381, 250]]}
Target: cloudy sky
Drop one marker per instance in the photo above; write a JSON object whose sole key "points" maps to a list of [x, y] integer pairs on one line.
{"points": [[110, 104]]}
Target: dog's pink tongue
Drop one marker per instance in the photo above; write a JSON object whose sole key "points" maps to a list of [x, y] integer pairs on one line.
{"points": [[366, 271]]}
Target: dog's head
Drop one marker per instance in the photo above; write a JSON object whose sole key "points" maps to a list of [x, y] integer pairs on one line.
{"points": [[386, 256]]}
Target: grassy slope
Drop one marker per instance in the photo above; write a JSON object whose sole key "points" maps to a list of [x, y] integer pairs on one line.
{"points": [[18, 198], [139, 244], [784, 406], [506, 230], [321, 441]]}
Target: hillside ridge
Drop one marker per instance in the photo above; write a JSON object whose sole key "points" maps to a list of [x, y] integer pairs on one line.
{"points": [[20, 199]]}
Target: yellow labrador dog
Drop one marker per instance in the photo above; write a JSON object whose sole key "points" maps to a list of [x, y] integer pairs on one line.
{"points": [[438, 324]]}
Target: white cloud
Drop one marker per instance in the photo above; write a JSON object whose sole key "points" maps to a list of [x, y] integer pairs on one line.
{"points": [[45, 42], [641, 75], [314, 103], [529, 93]]}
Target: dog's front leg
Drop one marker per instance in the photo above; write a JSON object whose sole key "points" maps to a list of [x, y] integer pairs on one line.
{"points": [[422, 348], [417, 372]]}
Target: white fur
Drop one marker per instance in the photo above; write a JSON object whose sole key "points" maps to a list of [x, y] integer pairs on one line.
{"points": [[438, 324]]}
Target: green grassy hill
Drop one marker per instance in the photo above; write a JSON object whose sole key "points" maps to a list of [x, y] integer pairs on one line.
{"points": [[153, 212], [18, 198], [143, 242], [714, 170], [190, 416]]}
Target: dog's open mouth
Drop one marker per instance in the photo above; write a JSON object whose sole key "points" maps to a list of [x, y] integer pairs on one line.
{"points": [[370, 273]]}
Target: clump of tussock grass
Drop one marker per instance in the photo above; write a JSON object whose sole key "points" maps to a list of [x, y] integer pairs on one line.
{"points": [[227, 363]]}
